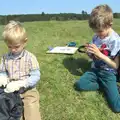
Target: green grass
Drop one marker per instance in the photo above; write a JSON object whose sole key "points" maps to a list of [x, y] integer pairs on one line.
{"points": [[58, 99]]}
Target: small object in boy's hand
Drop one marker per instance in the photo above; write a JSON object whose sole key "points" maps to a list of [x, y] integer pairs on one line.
{"points": [[71, 44]]}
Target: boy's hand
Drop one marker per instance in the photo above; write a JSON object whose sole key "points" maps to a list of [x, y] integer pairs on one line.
{"points": [[11, 87], [3, 80], [93, 49], [15, 86]]}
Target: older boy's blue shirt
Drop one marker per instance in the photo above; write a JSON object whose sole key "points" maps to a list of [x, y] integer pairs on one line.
{"points": [[109, 46]]}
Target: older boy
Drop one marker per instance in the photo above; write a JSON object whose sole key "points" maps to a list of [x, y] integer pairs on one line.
{"points": [[22, 69], [104, 48]]}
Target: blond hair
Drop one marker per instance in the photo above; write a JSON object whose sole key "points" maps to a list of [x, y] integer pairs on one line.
{"points": [[14, 32], [101, 17]]}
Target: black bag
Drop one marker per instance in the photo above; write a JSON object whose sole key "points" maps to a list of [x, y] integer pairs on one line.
{"points": [[11, 106]]}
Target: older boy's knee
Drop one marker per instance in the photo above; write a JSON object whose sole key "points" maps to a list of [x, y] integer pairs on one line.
{"points": [[77, 85], [115, 108]]}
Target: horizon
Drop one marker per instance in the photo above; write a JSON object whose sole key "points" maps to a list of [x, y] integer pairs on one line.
{"points": [[46, 13]]}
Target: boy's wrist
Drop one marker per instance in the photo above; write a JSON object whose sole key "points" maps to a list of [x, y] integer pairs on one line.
{"points": [[102, 56]]}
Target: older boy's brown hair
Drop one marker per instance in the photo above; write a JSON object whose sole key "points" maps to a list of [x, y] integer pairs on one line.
{"points": [[101, 17]]}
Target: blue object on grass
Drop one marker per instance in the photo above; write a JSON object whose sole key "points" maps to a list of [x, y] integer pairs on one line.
{"points": [[71, 44], [50, 48]]}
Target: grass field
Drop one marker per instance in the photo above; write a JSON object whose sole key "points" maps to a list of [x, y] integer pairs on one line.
{"points": [[58, 99]]}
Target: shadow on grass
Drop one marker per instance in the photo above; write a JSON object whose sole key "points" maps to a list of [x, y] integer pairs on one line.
{"points": [[76, 66]]}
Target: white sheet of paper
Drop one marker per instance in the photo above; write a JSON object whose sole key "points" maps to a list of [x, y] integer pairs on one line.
{"points": [[64, 50]]}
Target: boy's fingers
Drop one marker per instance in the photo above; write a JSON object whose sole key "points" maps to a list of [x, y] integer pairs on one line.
{"points": [[93, 45], [90, 51], [5, 90]]}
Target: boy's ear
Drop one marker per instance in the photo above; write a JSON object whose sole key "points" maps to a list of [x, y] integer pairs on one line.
{"points": [[25, 40], [111, 23]]}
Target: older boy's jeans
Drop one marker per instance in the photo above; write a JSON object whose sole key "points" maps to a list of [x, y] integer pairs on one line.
{"points": [[101, 79]]}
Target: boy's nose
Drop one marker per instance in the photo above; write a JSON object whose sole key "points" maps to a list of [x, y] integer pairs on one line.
{"points": [[13, 50]]}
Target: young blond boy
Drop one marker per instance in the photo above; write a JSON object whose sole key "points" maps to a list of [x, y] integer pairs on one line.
{"points": [[20, 69], [104, 47]]}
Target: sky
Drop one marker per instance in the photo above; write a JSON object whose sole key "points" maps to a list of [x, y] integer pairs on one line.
{"points": [[9, 7]]}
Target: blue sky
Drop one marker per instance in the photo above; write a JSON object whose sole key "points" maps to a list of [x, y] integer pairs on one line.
{"points": [[53, 6]]}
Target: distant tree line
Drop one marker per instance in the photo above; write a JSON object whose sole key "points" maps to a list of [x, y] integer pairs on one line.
{"points": [[116, 15], [47, 17], [44, 17]]}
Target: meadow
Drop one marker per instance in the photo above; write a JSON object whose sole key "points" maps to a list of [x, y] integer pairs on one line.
{"points": [[58, 99]]}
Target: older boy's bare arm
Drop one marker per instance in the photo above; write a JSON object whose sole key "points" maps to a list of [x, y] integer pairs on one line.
{"points": [[95, 50], [113, 63]]}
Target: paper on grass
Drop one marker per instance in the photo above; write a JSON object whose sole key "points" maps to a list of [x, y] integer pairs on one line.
{"points": [[64, 50]]}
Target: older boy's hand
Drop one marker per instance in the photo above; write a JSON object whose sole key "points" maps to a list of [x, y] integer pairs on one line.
{"points": [[93, 49], [3, 80]]}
